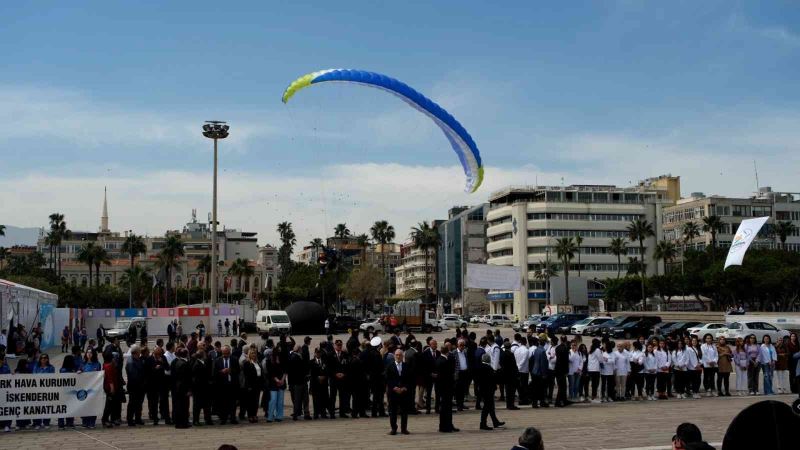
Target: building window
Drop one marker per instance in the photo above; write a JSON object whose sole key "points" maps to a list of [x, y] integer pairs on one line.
{"points": [[256, 285], [83, 281], [178, 281], [74, 281], [107, 280]]}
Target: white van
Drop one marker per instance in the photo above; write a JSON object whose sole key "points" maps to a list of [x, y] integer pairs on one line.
{"points": [[273, 322]]}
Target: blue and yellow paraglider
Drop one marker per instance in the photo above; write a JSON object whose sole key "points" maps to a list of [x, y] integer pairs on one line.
{"points": [[460, 140]]}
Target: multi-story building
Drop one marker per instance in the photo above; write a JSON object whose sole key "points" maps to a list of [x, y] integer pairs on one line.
{"points": [[196, 238], [410, 275], [778, 206], [524, 224], [463, 241]]}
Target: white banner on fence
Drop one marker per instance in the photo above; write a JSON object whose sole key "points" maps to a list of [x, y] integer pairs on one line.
{"points": [[486, 276], [747, 231], [52, 395]]}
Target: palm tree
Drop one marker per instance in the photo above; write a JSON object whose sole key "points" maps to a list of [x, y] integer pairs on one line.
{"points": [[241, 268], [168, 259], [545, 272], [565, 250], [288, 241], [362, 240], [133, 246], [426, 238], [2, 230], [100, 257], [713, 225], [204, 265], [639, 230], [50, 239], [341, 231], [316, 243], [136, 279], [86, 256], [578, 242], [383, 233], [783, 230], [690, 231], [618, 248], [60, 232], [664, 250]]}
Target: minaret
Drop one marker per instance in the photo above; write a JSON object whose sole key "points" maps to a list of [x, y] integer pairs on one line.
{"points": [[104, 218]]}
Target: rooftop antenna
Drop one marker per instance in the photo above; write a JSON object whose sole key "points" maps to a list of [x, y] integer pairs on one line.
{"points": [[755, 168]]}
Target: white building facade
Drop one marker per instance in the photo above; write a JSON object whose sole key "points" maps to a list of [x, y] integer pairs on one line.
{"points": [[524, 224]]}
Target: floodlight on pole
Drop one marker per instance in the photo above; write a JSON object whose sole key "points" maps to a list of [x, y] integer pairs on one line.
{"points": [[214, 129]]}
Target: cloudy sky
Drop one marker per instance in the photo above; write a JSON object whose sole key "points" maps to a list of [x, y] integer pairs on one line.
{"points": [[103, 94]]}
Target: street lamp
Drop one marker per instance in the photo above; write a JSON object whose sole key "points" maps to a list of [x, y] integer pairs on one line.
{"points": [[214, 129]]}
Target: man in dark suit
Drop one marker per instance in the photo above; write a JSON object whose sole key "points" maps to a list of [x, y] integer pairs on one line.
{"points": [[182, 381], [509, 374], [201, 388], [338, 362], [538, 368], [486, 379], [400, 385], [157, 384], [136, 386], [226, 380], [444, 375], [319, 385], [428, 368], [561, 370]]}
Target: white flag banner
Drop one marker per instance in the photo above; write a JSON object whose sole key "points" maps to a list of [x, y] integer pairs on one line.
{"points": [[51, 395], [487, 276], [747, 231]]}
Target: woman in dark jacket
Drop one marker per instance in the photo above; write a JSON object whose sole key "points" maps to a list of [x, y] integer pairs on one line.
{"points": [[252, 380]]}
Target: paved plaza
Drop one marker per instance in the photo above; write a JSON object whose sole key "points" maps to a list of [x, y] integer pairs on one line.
{"points": [[627, 425], [647, 425]]}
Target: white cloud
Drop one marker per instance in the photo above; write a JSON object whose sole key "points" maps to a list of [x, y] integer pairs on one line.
{"points": [[359, 194]]}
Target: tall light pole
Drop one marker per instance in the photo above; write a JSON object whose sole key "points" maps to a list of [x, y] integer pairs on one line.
{"points": [[214, 129]]}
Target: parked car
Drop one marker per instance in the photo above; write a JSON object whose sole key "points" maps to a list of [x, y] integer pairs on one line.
{"points": [[478, 319], [678, 328], [579, 326], [714, 329], [635, 328], [122, 326], [603, 328], [759, 329], [452, 321], [533, 319], [372, 325], [498, 319], [340, 324], [556, 321]]}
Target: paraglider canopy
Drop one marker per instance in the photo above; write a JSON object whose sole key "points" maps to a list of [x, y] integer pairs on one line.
{"points": [[459, 139]]}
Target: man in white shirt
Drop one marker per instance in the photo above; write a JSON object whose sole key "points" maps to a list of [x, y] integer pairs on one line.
{"points": [[462, 374], [521, 355]]}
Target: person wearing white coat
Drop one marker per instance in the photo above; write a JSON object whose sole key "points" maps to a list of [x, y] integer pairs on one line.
{"points": [[680, 365], [622, 361], [710, 361], [650, 369], [607, 373]]}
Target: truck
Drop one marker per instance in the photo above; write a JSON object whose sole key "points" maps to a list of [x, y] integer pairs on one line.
{"points": [[413, 315]]}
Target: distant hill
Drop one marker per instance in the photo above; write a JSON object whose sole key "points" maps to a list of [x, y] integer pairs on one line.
{"points": [[19, 236]]}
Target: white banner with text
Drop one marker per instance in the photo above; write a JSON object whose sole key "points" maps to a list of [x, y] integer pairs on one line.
{"points": [[486, 276], [747, 232], [51, 395]]}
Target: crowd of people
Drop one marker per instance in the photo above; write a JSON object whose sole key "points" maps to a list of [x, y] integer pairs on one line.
{"points": [[200, 380]]}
